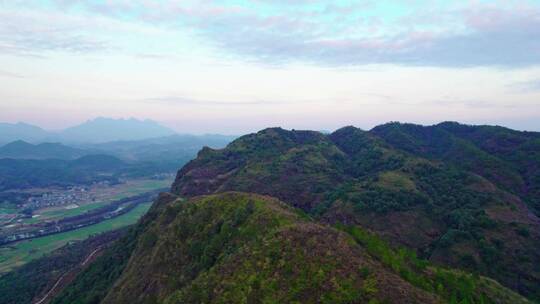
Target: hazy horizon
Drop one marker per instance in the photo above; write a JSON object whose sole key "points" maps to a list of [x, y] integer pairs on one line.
{"points": [[234, 67], [225, 132]]}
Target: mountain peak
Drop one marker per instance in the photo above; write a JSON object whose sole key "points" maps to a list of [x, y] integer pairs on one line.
{"points": [[102, 129], [21, 131], [415, 184], [97, 130], [18, 143]]}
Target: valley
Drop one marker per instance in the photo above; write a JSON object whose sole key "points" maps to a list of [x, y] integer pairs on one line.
{"points": [[19, 253], [77, 213], [55, 203], [55, 194]]}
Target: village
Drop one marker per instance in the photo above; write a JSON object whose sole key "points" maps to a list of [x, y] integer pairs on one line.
{"points": [[59, 197]]}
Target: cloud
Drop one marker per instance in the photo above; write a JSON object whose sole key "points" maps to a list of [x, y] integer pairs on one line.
{"points": [[481, 35], [467, 103], [478, 104], [526, 86], [175, 100], [10, 74], [151, 56], [491, 38], [359, 98], [34, 33], [321, 32]]}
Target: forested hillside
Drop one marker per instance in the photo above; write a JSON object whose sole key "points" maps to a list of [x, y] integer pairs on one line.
{"points": [[399, 214], [238, 247], [461, 196]]}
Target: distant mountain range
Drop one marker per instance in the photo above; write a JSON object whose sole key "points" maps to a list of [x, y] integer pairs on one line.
{"points": [[98, 130], [174, 148], [102, 130], [22, 131], [163, 148], [22, 150]]}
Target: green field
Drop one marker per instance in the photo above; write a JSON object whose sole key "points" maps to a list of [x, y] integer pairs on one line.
{"points": [[25, 251], [61, 213], [7, 210]]}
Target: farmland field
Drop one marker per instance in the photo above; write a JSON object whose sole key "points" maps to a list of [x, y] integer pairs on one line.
{"points": [[24, 251], [104, 197]]}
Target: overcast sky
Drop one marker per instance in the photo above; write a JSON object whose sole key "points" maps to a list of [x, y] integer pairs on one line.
{"points": [[239, 66]]}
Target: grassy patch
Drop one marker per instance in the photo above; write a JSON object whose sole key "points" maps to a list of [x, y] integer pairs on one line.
{"points": [[8, 210], [395, 181], [452, 285]]}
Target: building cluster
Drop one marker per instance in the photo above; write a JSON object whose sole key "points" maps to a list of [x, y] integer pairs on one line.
{"points": [[162, 176], [72, 195]]}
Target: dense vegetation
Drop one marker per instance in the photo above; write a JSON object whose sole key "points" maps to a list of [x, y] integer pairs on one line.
{"points": [[245, 248], [37, 277], [508, 158], [451, 285], [94, 282], [398, 214], [460, 196]]}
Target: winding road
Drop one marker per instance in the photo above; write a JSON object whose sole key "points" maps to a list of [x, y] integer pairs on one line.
{"points": [[79, 267]]}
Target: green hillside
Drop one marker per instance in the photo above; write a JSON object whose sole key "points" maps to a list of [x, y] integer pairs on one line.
{"points": [[245, 248], [399, 214], [447, 196]]}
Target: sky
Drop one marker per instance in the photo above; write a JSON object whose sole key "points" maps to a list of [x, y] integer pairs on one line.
{"points": [[237, 66]]}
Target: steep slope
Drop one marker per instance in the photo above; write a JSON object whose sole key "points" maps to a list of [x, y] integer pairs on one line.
{"points": [[448, 213], [520, 150], [93, 283], [36, 279], [245, 248], [508, 158], [236, 247], [274, 162]]}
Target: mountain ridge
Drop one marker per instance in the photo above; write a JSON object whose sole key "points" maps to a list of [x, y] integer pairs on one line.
{"points": [[106, 129], [98, 130], [446, 196], [23, 150], [238, 247], [399, 213]]}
